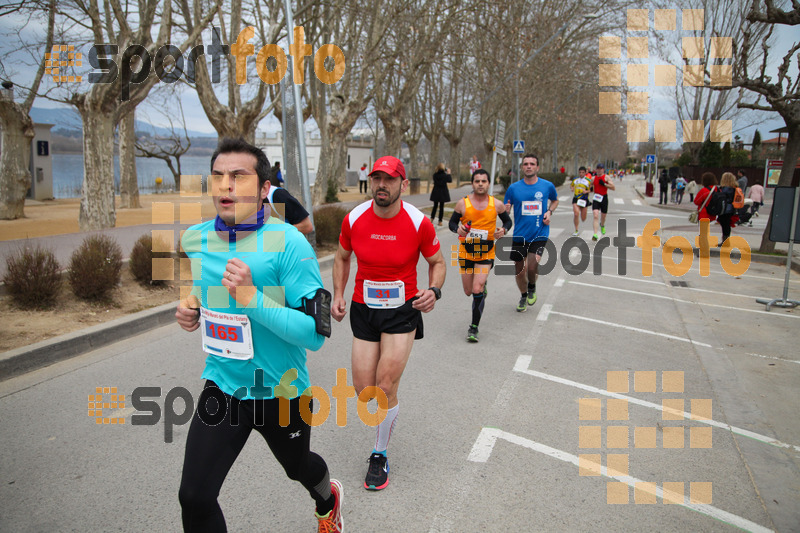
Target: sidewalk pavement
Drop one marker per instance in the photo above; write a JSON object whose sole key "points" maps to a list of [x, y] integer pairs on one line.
{"points": [[673, 226], [28, 358]]}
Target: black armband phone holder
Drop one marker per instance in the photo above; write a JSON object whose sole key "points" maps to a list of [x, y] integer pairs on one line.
{"points": [[319, 308]]}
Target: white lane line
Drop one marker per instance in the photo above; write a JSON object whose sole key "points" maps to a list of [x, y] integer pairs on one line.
{"points": [[484, 444], [678, 300], [544, 312], [563, 198], [631, 328], [636, 202], [775, 358], [664, 284], [524, 361], [619, 201], [559, 282]]}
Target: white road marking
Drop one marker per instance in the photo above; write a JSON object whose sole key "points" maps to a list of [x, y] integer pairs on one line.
{"points": [[775, 358], [563, 198], [484, 444], [631, 328], [619, 201], [544, 312], [678, 300], [636, 202], [559, 282], [524, 361]]}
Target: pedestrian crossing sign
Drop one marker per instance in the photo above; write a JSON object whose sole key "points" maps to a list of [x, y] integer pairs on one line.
{"points": [[519, 147]]}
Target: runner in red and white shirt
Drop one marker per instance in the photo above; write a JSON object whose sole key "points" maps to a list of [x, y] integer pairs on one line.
{"points": [[474, 164], [387, 236]]}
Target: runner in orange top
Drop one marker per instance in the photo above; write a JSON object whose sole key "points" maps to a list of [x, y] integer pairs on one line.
{"points": [[474, 220]]}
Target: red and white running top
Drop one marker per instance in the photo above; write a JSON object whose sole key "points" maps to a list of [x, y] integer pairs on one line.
{"points": [[387, 249]]}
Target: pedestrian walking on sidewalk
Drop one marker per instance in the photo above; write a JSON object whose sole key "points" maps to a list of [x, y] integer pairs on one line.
{"points": [[440, 194], [691, 189]]}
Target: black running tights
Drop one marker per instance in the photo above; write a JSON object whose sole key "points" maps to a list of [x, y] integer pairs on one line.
{"points": [[212, 449]]}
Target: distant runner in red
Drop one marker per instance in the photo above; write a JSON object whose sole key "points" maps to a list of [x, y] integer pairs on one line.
{"points": [[387, 236]]}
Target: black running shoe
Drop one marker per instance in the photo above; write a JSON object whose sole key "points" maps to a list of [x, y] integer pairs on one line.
{"points": [[377, 473]]}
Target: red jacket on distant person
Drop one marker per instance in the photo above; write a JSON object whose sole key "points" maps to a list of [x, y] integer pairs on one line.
{"points": [[700, 199]]}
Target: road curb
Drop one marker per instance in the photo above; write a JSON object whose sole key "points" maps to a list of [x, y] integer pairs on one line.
{"points": [[44, 353]]}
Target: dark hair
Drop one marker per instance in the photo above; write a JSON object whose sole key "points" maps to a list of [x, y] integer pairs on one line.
{"points": [[229, 145], [582, 168], [479, 171], [708, 179], [536, 157]]}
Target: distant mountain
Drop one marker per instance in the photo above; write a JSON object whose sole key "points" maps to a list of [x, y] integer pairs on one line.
{"points": [[67, 122]]}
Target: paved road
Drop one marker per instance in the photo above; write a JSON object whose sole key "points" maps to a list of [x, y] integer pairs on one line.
{"points": [[489, 433]]}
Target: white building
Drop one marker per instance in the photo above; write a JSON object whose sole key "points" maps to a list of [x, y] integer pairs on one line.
{"points": [[360, 150]]}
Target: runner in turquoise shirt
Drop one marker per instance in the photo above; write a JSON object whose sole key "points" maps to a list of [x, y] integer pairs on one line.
{"points": [[251, 273]]}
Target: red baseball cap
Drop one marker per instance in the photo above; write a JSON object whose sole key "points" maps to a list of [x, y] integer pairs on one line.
{"points": [[390, 165]]}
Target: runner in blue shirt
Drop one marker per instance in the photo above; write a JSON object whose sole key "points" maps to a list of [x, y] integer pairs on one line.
{"points": [[256, 285], [534, 200]]}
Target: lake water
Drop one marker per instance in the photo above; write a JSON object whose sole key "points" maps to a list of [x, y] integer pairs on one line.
{"points": [[68, 173]]}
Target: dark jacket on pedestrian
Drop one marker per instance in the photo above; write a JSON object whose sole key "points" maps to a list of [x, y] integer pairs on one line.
{"points": [[440, 192]]}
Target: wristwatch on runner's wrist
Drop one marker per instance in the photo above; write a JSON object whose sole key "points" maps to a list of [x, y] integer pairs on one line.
{"points": [[436, 292]]}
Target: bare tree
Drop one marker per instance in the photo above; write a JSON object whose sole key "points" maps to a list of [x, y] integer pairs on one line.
{"points": [[708, 97], [238, 117], [779, 93], [16, 129], [361, 30], [168, 149], [432, 123], [111, 97]]}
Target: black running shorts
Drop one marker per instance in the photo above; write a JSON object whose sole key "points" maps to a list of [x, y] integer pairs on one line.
{"points": [[602, 206], [520, 250], [467, 266], [368, 324]]}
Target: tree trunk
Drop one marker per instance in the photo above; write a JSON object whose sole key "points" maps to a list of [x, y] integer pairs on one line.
{"points": [[787, 173], [15, 176], [393, 128], [332, 163], [434, 160], [455, 159], [128, 180], [412, 153], [97, 209]]}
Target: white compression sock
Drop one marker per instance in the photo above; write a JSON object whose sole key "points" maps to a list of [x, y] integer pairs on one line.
{"points": [[385, 429]]}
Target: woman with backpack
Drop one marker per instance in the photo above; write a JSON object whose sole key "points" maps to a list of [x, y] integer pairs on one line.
{"points": [[729, 217]]}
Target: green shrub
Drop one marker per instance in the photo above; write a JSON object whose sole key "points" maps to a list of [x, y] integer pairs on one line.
{"points": [[32, 277], [556, 179], [94, 269], [332, 194], [328, 223], [141, 260], [505, 180]]}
